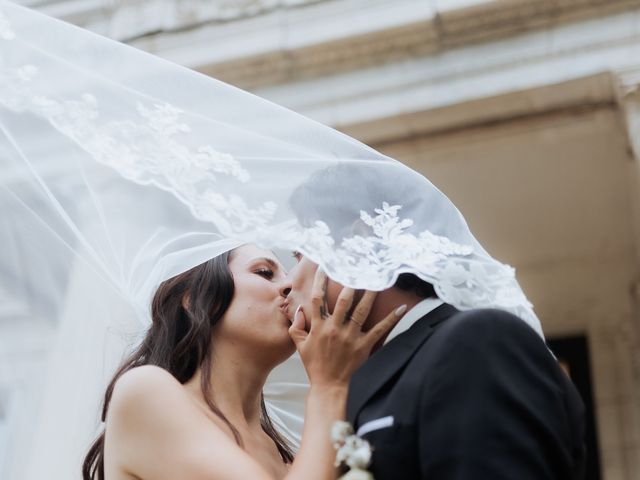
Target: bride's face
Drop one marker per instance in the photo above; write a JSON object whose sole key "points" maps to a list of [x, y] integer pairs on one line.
{"points": [[256, 317]]}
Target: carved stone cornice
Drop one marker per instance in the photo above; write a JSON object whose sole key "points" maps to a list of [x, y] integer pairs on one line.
{"points": [[337, 56], [127, 19], [434, 34], [337, 35], [502, 18]]}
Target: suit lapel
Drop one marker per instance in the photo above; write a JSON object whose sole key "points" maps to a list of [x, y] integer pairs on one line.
{"points": [[384, 363]]}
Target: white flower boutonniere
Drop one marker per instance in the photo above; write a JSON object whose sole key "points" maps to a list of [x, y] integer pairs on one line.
{"points": [[352, 451]]}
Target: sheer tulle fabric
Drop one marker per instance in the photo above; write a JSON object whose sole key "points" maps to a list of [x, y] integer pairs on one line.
{"points": [[120, 170]]}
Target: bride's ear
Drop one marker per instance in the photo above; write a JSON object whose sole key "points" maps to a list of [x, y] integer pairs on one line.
{"points": [[185, 302]]}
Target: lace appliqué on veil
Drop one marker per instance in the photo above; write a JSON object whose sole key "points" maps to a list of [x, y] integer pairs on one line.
{"points": [[148, 151], [459, 276]]}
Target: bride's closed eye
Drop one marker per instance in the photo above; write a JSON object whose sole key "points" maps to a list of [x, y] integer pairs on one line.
{"points": [[265, 272]]}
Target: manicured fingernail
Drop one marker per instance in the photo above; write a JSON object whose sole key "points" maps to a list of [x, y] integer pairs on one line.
{"points": [[400, 310], [297, 310]]}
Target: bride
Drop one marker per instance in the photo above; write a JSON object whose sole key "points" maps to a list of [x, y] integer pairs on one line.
{"points": [[188, 402]]}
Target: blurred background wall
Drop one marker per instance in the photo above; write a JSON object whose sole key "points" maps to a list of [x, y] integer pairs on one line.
{"points": [[526, 113]]}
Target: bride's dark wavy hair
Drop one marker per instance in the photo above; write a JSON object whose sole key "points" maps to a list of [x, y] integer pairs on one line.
{"points": [[179, 341]]}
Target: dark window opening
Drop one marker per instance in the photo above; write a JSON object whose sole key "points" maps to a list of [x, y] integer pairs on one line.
{"points": [[573, 355]]}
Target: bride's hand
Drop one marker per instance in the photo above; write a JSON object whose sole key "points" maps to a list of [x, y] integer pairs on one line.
{"points": [[335, 346]]}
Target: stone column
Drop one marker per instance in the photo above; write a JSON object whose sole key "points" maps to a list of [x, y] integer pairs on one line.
{"points": [[625, 346]]}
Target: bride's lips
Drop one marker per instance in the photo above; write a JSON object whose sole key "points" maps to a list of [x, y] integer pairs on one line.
{"points": [[284, 308]]}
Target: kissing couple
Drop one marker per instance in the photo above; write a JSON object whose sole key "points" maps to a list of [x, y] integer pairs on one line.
{"points": [[148, 204], [437, 392]]}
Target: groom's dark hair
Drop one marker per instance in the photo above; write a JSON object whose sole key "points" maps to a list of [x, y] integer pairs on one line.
{"points": [[321, 197], [184, 311], [414, 284]]}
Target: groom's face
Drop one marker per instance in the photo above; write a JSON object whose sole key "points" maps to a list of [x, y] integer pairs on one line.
{"points": [[300, 279]]}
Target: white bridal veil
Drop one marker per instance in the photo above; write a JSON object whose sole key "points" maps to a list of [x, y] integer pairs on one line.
{"points": [[120, 170]]}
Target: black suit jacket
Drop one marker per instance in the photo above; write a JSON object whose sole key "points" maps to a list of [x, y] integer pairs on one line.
{"points": [[473, 395]]}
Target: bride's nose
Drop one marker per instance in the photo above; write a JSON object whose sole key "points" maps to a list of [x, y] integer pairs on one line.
{"points": [[285, 288]]}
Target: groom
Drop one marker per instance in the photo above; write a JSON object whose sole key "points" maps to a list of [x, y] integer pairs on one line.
{"points": [[458, 395], [448, 394]]}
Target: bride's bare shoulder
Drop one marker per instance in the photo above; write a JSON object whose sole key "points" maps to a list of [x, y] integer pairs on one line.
{"points": [[154, 429], [139, 380], [146, 391], [146, 380]]}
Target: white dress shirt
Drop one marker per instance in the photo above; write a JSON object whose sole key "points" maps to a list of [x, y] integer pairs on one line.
{"points": [[412, 316]]}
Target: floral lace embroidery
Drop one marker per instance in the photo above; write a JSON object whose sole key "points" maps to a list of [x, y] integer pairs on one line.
{"points": [[389, 248], [146, 152], [460, 276]]}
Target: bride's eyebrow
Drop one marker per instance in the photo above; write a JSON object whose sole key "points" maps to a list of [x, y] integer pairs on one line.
{"points": [[271, 262]]}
